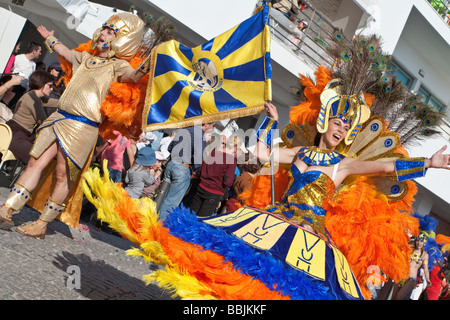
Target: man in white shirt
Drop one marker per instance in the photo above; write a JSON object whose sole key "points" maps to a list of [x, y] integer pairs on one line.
{"points": [[24, 63], [24, 66]]}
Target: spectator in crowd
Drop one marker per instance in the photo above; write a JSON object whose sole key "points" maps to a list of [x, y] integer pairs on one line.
{"points": [[288, 8], [165, 142], [437, 280], [302, 25], [150, 190], [12, 58], [113, 152], [130, 154], [55, 70], [285, 6], [243, 182], [142, 172], [6, 94], [24, 66], [29, 114], [216, 176], [186, 158], [145, 139], [41, 66]]}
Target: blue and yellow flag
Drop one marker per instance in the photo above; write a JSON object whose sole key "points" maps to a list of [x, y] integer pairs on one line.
{"points": [[226, 77]]}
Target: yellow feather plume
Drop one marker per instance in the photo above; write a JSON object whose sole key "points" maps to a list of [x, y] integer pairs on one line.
{"points": [[182, 284]]}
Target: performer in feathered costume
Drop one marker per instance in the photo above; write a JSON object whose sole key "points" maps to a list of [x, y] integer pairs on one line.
{"points": [[343, 204], [105, 81], [436, 248], [369, 216]]}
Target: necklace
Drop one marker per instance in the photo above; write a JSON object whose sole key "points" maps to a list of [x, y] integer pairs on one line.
{"points": [[318, 157]]}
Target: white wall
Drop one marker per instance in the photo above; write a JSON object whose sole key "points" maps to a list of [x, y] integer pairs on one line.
{"points": [[436, 180], [391, 16], [11, 26], [208, 18], [408, 58]]}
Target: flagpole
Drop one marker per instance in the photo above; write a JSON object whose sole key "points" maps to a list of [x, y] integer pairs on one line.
{"points": [[272, 176]]}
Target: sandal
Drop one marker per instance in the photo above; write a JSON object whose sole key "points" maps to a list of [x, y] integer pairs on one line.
{"points": [[5, 220], [33, 230]]}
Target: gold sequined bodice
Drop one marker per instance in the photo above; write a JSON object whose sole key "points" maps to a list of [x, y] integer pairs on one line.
{"points": [[303, 200], [89, 85]]}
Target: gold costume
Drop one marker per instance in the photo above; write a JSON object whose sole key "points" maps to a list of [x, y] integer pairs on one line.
{"points": [[75, 125], [92, 78]]}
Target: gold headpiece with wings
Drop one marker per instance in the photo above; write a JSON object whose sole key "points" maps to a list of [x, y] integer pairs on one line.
{"points": [[351, 109]]}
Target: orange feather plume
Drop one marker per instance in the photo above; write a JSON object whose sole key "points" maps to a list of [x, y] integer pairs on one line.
{"points": [[260, 195], [308, 110], [370, 231]]}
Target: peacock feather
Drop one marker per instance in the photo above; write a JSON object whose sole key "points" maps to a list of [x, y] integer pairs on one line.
{"points": [[363, 67]]}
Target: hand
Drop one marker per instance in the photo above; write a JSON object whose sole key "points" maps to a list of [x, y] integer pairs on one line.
{"points": [[440, 160], [15, 80], [44, 32], [271, 111]]}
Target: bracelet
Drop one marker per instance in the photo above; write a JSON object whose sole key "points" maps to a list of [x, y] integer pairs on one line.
{"points": [[50, 42], [144, 67], [7, 88], [265, 131], [407, 169]]}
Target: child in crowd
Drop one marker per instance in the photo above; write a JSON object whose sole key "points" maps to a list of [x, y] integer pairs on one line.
{"points": [[150, 190], [142, 172]]}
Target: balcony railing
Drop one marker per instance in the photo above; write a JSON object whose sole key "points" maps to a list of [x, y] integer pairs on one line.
{"points": [[309, 44], [442, 7]]}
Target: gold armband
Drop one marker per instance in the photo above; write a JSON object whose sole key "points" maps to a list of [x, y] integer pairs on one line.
{"points": [[50, 42]]}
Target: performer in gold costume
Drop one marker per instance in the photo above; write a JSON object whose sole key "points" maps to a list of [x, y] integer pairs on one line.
{"points": [[70, 133]]}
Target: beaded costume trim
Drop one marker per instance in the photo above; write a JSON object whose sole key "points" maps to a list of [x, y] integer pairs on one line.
{"points": [[318, 157]]}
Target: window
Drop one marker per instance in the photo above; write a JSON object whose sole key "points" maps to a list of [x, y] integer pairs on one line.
{"points": [[402, 75], [430, 100]]}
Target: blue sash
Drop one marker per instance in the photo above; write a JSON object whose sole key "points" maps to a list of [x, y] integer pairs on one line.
{"points": [[78, 118]]}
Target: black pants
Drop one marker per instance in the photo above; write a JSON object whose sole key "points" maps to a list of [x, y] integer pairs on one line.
{"points": [[204, 203], [22, 141]]}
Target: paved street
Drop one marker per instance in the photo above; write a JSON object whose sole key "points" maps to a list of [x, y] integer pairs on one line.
{"points": [[69, 264]]}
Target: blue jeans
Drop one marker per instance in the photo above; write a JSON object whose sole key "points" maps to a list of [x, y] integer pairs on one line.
{"points": [[115, 175], [180, 178]]}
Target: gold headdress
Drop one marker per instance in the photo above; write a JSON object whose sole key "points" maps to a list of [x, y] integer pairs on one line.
{"points": [[129, 30], [351, 109]]}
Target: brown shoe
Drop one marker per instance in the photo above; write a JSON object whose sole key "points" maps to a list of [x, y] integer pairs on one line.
{"points": [[5, 219], [33, 230]]}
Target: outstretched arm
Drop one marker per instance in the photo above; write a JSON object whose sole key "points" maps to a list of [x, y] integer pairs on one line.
{"points": [[439, 160], [53, 44]]}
